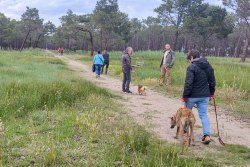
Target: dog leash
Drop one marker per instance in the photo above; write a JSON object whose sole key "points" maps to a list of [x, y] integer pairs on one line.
{"points": [[216, 115]]}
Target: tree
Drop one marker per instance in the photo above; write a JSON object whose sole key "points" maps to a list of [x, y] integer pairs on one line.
{"points": [[48, 29], [173, 12], [30, 22], [4, 22], [84, 26], [206, 21], [242, 9], [68, 28], [109, 21]]}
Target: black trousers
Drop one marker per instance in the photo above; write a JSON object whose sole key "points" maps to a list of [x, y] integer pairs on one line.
{"points": [[107, 66]]}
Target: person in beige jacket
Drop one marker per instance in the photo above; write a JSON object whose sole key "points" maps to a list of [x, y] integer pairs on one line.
{"points": [[167, 62]]}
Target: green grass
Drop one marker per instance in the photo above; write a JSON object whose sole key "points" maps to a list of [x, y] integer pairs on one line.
{"points": [[232, 90], [51, 117]]}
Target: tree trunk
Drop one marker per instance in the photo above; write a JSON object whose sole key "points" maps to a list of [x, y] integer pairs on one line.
{"points": [[236, 50], [149, 41], [69, 42], [245, 50], [24, 41], [30, 43], [36, 43], [1, 43], [101, 40], [91, 39], [175, 40]]}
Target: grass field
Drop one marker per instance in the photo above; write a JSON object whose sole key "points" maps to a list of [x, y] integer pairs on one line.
{"points": [[51, 117], [232, 90]]}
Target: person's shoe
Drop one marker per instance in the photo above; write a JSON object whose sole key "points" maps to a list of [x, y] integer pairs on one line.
{"points": [[124, 91], [128, 91], [206, 139]]}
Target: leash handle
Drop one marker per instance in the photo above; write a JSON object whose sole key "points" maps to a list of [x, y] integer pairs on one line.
{"points": [[216, 116]]}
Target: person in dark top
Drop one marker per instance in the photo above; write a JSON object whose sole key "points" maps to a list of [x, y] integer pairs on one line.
{"points": [[62, 51], [199, 88], [126, 69], [106, 61]]}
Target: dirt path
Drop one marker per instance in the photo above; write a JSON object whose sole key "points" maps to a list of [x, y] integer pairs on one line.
{"points": [[153, 111]]}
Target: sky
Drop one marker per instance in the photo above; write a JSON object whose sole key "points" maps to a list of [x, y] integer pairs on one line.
{"points": [[53, 9]]}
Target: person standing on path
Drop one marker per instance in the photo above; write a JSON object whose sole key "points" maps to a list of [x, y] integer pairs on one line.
{"points": [[167, 62], [62, 51], [126, 69], [98, 62], [59, 51], [199, 88], [106, 61]]}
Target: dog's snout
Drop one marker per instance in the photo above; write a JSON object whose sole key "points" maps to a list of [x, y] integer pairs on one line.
{"points": [[172, 126]]}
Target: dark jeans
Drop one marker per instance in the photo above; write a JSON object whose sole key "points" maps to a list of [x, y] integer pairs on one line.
{"points": [[107, 66], [126, 80], [98, 69]]}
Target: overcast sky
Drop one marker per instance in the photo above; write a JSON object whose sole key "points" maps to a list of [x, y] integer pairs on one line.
{"points": [[53, 9]]}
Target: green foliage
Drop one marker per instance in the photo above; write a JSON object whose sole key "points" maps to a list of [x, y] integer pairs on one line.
{"points": [[109, 19], [30, 19], [206, 21]]}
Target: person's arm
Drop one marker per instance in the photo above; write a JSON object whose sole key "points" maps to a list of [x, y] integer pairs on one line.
{"points": [[172, 60], [161, 61], [102, 59], [188, 82], [212, 82], [128, 62]]}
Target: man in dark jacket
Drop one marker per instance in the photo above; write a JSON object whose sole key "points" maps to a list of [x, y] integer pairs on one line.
{"points": [[167, 62], [106, 61], [126, 69], [199, 87]]}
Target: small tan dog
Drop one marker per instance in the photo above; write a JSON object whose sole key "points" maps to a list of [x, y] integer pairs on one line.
{"points": [[184, 120], [141, 90]]}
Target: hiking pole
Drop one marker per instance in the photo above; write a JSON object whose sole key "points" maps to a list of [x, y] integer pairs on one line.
{"points": [[216, 115]]}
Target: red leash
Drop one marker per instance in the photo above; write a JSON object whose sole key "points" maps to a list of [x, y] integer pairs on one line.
{"points": [[219, 138]]}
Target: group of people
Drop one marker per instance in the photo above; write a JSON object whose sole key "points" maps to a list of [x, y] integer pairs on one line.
{"points": [[101, 61], [199, 84], [60, 51]]}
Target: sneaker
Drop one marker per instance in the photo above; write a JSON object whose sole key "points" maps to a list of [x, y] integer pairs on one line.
{"points": [[206, 139], [128, 91], [124, 91]]}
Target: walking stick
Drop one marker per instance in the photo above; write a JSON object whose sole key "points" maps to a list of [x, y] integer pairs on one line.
{"points": [[216, 115]]}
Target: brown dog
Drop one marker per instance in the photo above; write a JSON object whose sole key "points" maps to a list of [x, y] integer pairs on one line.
{"points": [[141, 90], [184, 120]]}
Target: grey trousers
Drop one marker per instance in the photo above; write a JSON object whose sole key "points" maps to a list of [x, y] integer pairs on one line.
{"points": [[126, 80]]}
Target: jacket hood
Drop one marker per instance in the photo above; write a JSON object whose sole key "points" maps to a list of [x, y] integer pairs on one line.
{"points": [[201, 62]]}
